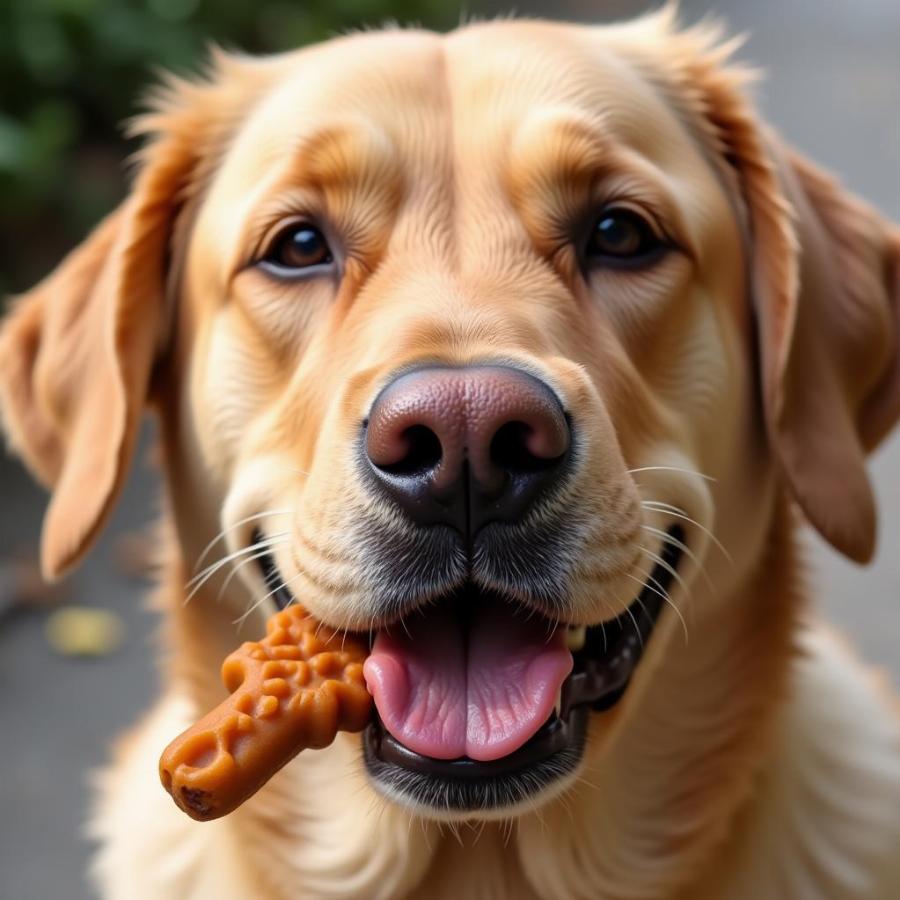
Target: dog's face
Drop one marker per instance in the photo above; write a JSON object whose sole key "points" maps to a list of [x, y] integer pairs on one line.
{"points": [[478, 345], [381, 269]]}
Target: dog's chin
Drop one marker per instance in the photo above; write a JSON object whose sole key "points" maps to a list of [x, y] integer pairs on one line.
{"points": [[468, 789], [604, 656]]}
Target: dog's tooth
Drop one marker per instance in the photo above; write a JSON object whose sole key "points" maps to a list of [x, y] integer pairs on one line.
{"points": [[557, 704], [575, 637]]}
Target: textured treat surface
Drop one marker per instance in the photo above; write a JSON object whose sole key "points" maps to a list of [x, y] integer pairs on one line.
{"points": [[293, 690]]}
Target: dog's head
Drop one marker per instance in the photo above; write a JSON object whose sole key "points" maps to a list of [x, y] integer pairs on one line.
{"points": [[478, 344]]}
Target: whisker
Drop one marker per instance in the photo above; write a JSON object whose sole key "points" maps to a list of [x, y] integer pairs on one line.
{"points": [[580, 779], [667, 597], [243, 562], [208, 573], [669, 539], [245, 615], [660, 592], [672, 469], [670, 569], [220, 536], [214, 567], [235, 569], [198, 581], [679, 513], [634, 622]]}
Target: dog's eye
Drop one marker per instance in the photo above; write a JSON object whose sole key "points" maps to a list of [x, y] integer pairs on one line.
{"points": [[299, 246], [623, 236]]}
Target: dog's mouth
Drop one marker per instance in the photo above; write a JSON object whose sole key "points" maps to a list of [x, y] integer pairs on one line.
{"points": [[481, 704]]}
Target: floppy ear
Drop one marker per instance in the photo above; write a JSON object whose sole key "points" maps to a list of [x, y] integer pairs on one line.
{"points": [[831, 383], [825, 283], [76, 354], [77, 351]]}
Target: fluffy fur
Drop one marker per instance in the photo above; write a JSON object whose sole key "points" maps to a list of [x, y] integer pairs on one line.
{"points": [[733, 386]]}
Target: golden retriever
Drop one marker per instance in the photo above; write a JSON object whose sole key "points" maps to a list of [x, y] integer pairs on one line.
{"points": [[521, 349]]}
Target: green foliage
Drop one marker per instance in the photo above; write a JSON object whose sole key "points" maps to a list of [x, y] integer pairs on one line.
{"points": [[71, 71]]}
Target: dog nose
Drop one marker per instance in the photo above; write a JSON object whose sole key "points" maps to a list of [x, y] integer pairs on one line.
{"points": [[466, 446]]}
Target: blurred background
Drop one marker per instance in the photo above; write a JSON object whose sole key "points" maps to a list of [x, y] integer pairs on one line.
{"points": [[76, 662]]}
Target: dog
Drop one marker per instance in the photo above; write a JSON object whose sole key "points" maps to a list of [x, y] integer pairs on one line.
{"points": [[523, 351]]}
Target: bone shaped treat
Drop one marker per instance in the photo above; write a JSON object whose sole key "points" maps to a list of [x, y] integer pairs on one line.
{"points": [[293, 690]]}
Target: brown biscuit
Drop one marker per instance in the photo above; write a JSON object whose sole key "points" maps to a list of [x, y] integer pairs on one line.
{"points": [[294, 689]]}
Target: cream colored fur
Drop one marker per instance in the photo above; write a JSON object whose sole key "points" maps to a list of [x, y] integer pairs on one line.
{"points": [[820, 822], [736, 385]]}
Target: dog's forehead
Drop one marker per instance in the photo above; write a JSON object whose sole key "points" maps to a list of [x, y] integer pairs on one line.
{"points": [[450, 128], [473, 87]]}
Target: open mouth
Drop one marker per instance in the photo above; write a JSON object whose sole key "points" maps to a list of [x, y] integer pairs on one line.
{"points": [[481, 705]]}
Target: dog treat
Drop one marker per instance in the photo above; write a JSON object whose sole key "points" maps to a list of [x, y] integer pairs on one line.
{"points": [[293, 690]]}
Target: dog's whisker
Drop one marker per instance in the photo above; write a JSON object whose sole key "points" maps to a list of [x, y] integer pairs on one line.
{"points": [[566, 800], [678, 513], [236, 569], [196, 583], [425, 832], [254, 606], [580, 779], [672, 469], [247, 519], [404, 626], [634, 622], [223, 561], [668, 568], [669, 539], [656, 588], [668, 599]]}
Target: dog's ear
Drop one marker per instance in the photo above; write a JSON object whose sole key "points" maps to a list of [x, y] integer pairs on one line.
{"points": [[831, 377], [77, 352], [825, 283]]}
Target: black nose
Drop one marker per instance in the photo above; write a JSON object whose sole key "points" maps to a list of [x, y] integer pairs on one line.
{"points": [[466, 446]]}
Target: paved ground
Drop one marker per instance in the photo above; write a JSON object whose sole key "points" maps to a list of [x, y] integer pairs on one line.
{"points": [[834, 90]]}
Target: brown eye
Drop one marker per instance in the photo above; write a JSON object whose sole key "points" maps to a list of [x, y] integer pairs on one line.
{"points": [[623, 236], [300, 246]]}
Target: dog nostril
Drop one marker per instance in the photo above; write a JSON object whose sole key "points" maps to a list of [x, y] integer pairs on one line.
{"points": [[422, 455], [510, 450], [466, 446]]}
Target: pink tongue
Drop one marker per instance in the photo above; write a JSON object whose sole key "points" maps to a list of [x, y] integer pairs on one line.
{"points": [[447, 690]]}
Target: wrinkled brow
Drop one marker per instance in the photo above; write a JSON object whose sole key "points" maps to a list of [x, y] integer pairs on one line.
{"points": [[340, 155], [556, 148], [346, 170], [562, 162]]}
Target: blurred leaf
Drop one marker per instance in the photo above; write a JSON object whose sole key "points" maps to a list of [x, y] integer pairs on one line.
{"points": [[72, 70], [13, 144]]}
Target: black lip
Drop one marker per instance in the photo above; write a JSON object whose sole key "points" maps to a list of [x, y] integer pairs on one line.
{"points": [[465, 785], [272, 577], [557, 734], [603, 670]]}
